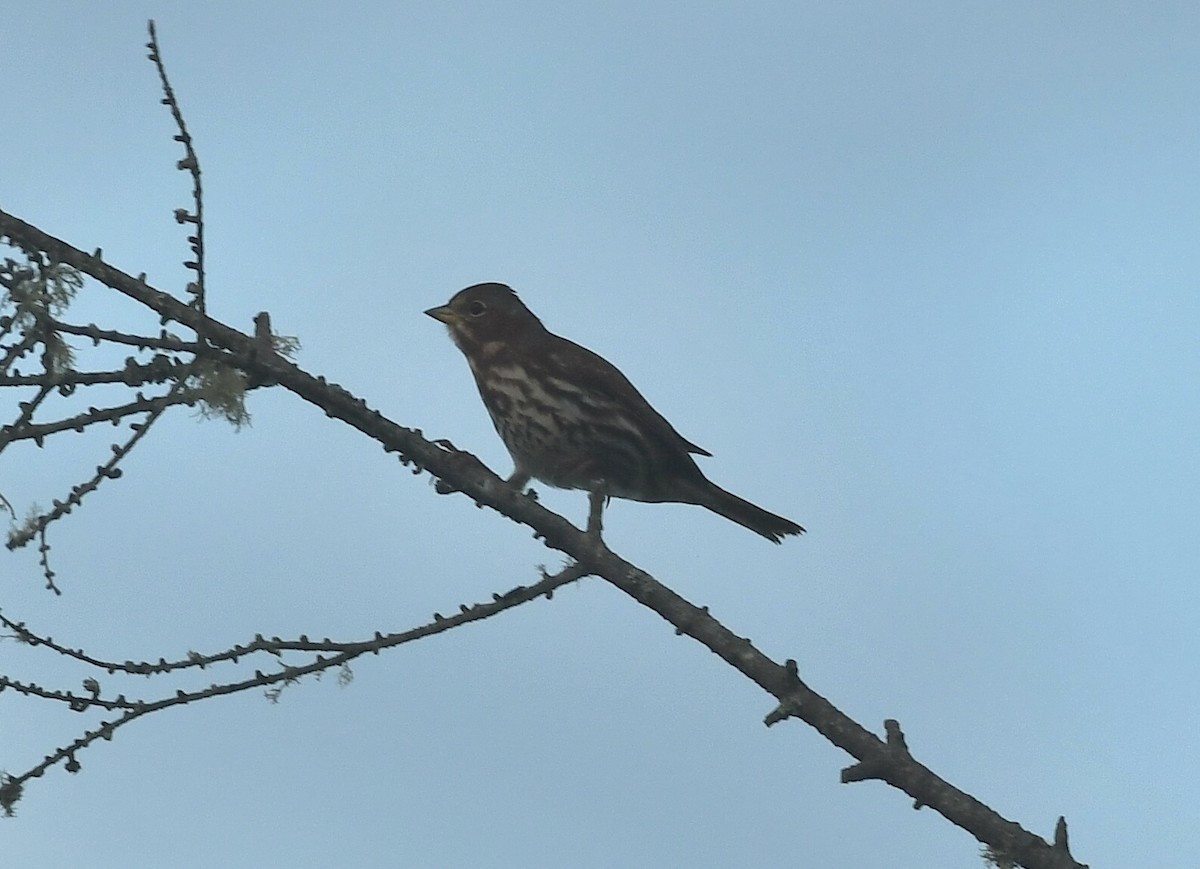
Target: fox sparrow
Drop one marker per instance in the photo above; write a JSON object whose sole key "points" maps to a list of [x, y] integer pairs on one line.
{"points": [[573, 421]]}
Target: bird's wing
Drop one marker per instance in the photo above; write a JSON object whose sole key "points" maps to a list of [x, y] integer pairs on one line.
{"points": [[592, 372]]}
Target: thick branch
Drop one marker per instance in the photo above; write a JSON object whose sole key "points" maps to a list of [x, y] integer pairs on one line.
{"points": [[463, 472]]}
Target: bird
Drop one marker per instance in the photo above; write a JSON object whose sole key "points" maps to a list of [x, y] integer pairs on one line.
{"points": [[570, 419]]}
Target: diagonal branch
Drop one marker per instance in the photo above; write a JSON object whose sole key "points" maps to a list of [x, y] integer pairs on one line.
{"points": [[459, 471], [515, 597]]}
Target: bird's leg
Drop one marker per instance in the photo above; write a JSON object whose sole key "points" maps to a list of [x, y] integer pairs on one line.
{"points": [[519, 478], [596, 501]]}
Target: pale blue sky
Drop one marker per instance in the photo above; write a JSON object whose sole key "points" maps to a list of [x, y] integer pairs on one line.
{"points": [[921, 276]]}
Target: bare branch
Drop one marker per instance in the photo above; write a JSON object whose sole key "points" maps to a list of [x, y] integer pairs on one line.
{"points": [[108, 470], [343, 653], [191, 164], [458, 471], [466, 615]]}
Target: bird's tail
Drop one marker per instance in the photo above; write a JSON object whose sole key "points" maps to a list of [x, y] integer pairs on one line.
{"points": [[758, 520]]}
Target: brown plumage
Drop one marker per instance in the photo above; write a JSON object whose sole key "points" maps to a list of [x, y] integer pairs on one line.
{"points": [[572, 420]]}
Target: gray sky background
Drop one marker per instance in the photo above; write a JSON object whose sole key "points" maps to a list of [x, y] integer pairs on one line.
{"points": [[921, 276]]}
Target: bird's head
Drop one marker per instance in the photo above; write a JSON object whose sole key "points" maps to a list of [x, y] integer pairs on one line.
{"points": [[486, 314]]}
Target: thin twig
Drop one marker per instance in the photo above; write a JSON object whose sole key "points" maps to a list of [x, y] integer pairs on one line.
{"points": [[108, 470], [190, 163], [286, 674]]}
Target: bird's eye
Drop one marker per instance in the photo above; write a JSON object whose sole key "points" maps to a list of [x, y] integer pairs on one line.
{"points": [[476, 308]]}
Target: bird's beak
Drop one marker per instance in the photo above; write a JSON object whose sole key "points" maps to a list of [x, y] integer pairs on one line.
{"points": [[444, 314]]}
